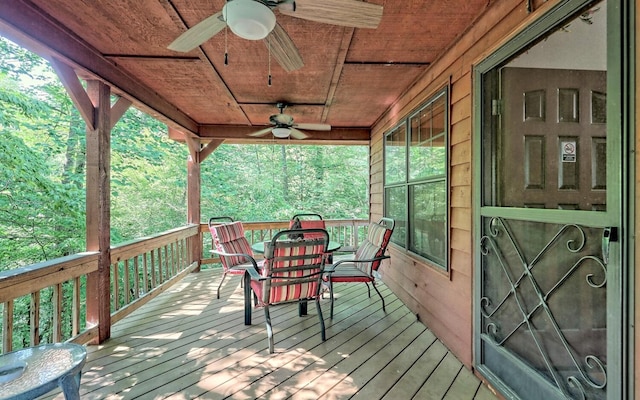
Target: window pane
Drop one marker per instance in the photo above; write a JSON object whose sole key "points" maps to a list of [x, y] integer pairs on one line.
{"points": [[428, 215], [427, 155], [395, 206], [395, 156]]}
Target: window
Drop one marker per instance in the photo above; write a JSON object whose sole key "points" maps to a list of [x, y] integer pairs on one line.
{"points": [[415, 180]]}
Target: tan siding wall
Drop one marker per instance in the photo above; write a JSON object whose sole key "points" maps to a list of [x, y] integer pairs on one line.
{"points": [[443, 301]]}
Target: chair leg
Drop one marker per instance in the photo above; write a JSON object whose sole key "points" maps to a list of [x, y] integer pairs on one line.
{"points": [[322, 331], [302, 308], [368, 289], [331, 298], [267, 319], [247, 298], [224, 274], [381, 298]]}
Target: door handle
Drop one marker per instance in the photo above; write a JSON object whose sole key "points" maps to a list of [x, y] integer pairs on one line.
{"points": [[610, 234]]}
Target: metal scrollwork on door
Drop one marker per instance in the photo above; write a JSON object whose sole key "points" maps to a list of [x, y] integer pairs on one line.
{"points": [[544, 300]]}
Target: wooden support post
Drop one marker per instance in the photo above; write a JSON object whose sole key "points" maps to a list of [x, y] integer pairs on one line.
{"points": [[98, 211], [193, 199], [95, 108]]}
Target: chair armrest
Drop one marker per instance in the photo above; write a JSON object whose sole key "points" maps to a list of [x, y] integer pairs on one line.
{"points": [[254, 275], [333, 267], [245, 255]]}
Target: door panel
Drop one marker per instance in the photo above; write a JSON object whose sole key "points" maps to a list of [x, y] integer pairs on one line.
{"points": [[543, 306], [554, 155]]}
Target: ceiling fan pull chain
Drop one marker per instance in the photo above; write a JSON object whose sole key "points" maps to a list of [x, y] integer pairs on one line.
{"points": [[226, 54], [269, 47]]}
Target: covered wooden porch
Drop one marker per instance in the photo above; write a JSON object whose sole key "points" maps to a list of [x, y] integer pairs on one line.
{"points": [[185, 344]]}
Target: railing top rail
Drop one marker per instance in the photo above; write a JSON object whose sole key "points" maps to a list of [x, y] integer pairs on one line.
{"points": [[142, 245], [28, 279]]}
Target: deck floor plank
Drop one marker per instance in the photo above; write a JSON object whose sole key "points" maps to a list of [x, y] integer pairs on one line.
{"points": [[440, 381], [186, 344], [421, 370], [384, 379]]}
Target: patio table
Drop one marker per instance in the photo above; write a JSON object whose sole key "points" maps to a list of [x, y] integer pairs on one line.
{"points": [[34, 371]]}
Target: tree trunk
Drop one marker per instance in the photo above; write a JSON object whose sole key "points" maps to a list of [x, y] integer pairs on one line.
{"points": [[285, 173]]}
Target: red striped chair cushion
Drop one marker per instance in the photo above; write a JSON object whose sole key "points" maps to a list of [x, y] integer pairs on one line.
{"points": [[280, 290], [310, 224], [229, 238]]}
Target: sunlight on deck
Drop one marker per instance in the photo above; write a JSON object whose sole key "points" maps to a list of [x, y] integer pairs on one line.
{"points": [[186, 344]]}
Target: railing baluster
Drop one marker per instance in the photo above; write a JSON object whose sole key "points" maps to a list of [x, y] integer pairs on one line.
{"points": [[136, 274], [57, 313], [34, 318], [145, 274], [127, 295], [115, 277], [7, 325], [154, 279], [75, 313]]}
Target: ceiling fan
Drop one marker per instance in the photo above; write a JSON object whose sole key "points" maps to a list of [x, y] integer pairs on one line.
{"points": [[283, 126], [255, 20]]}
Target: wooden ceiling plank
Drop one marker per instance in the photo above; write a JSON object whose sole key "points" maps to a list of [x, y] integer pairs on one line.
{"points": [[30, 27]]}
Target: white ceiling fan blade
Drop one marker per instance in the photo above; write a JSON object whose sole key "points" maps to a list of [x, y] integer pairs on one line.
{"points": [[353, 13], [198, 34], [281, 119], [313, 127], [296, 134], [283, 49], [262, 132]]}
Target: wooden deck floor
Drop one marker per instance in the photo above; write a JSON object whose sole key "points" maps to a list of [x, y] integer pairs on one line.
{"points": [[185, 344]]}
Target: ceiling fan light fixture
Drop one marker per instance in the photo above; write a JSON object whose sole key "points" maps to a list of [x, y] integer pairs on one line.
{"points": [[281, 132], [249, 19]]}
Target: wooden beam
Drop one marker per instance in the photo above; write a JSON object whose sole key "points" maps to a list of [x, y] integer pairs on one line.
{"points": [[209, 148], [239, 134], [337, 70], [27, 25], [118, 109], [75, 90], [194, 147]]}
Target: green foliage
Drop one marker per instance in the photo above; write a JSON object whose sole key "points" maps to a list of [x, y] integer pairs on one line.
{"points": [[273, 182], [42, 180]]}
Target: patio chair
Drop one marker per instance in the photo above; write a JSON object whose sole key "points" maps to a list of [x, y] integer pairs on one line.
{"points": [[363, 266], [307, 221], [292, 273], [232, 247]]}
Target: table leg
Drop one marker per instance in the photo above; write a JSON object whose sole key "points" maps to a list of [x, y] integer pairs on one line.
{"points": [[70, 385], [247, 298]]}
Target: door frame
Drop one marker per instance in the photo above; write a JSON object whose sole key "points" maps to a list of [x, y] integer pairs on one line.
{"points": [[621, 121]]}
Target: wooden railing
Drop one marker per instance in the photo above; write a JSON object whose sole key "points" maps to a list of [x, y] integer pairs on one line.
{"points": [[348, 232], [46, 302]]}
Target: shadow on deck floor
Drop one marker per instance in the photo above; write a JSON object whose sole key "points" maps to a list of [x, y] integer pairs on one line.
{"points": [[185, 344]]}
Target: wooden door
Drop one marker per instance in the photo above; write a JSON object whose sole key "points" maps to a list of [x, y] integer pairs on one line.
{"points": [[556, 142], [543, 289]]}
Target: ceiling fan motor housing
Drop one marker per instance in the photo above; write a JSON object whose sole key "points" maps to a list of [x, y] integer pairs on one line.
{"points": [[249, 19]]}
